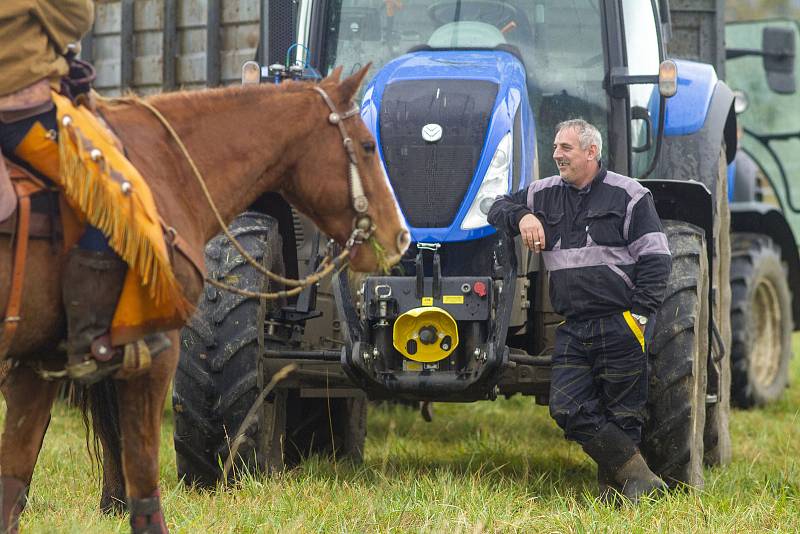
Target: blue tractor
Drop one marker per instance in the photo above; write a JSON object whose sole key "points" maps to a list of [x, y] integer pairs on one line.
{"points": [[463, 101]]}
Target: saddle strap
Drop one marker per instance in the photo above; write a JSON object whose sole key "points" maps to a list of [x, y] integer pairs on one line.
{"points": [[176, 242], [11, 322], [41, 226]]}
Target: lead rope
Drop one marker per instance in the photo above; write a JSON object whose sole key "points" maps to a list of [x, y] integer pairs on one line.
{"points": [[326, 266]]}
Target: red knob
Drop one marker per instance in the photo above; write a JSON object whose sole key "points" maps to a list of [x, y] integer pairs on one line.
{"points": [[480, 289]]}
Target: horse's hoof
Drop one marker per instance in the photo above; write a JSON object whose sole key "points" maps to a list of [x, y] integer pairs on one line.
{"points": [[112, 505]]}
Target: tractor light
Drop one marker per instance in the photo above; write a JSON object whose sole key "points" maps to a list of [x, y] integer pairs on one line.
{"points": [[251, 73], [740, 102], [496, 182], [668, 78]]}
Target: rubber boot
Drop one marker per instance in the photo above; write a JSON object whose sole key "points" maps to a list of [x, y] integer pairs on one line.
{"points": [[638, 480], [608, 490], [14, 496], [619, 460], [146, 515], [91, 285]]}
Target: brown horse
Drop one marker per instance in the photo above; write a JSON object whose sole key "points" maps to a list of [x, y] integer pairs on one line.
{"points": [[245, 141]]}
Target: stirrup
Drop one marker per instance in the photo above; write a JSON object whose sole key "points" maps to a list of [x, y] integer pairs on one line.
{"points": [[120, 363]]}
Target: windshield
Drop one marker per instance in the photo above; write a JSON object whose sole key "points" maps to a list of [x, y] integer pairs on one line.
{"points": [[560, 42], [768, 112]]}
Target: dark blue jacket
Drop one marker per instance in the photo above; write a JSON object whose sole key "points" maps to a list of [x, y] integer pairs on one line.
{"points": [[605, 248]]}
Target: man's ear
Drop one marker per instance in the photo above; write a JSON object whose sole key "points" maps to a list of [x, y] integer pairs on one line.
{"points": [[594, 153], [350, 85]]}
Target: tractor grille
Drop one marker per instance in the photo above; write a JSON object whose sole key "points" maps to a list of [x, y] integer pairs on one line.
{"points": [[431, 179]]}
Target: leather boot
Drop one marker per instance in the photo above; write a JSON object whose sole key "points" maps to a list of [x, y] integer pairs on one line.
{"points": [[146, 515], [619, 460], [91, 285], [14, 496]]}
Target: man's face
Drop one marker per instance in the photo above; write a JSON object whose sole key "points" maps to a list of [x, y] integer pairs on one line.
{"points": [[575, 165]]}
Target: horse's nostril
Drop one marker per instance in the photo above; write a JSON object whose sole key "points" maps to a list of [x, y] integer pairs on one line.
{"points": [[403, 240]]}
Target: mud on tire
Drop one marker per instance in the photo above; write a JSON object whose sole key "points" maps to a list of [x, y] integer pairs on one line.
{"points": [[219, 372], [677, 357], [717, 434]]}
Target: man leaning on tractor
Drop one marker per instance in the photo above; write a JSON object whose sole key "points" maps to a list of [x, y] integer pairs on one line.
{"points": [[608, 259]]}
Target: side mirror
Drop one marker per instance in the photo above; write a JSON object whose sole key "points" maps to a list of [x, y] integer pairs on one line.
{"points": [[778, 45]]}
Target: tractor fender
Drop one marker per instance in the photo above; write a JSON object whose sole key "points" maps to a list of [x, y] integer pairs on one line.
{"points": [[761, 218], [683, 200], [690, 147]]}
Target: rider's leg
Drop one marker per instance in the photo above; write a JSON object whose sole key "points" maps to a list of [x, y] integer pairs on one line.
{"points": [[93, 273], [91, 284]]}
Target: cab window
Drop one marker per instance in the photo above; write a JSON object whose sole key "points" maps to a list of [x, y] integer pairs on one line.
{"points": [[560, 42], [643, 56]]}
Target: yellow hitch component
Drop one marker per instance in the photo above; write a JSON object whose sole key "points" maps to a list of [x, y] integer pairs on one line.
{"points": [[427, 334]]}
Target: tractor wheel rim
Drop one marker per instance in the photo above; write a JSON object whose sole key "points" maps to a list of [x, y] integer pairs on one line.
{"points": [[765, 350]]}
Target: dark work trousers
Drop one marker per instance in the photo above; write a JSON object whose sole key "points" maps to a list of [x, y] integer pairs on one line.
{"points": [[599, 375], [12, 134]]}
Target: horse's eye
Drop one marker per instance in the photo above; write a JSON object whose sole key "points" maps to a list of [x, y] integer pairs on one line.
{"points": [[369, 147]]}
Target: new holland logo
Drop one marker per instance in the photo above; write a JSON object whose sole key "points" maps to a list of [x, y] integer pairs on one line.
{"points": [[431, 132]]}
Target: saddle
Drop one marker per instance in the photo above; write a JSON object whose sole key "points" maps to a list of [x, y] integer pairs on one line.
{"points": [[18, 189]]}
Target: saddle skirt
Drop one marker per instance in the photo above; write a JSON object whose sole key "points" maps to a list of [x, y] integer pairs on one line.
{"points": [[15, 182]]}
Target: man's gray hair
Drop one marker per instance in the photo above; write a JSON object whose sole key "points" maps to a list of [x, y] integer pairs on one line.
{"points": [[587, 134]]}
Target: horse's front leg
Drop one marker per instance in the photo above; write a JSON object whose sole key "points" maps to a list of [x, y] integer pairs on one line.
{"points": [[28, 403], [141, 406]]}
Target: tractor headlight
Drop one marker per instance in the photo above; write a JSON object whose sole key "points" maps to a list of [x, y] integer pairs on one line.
{"points": [[496, 181]]}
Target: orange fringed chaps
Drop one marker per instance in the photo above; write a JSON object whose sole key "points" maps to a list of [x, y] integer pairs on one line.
{"points": [[107, 191]]}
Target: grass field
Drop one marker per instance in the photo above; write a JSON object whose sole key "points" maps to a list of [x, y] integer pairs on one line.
{"points": [[486, 467]]}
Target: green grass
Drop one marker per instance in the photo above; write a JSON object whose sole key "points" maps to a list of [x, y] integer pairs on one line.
{"points": [[486, 467]]}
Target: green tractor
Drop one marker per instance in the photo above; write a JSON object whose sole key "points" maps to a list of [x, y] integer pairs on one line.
{"points": [[764, 191]]}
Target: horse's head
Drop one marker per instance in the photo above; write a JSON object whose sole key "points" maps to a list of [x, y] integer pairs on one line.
{"points": [[339, 181]]}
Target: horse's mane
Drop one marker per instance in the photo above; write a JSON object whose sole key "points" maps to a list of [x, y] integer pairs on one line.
{"points": [[208, 98], [186, 96]]}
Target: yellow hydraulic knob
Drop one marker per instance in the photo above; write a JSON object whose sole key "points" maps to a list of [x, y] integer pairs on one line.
{"points": [[427, 334]]}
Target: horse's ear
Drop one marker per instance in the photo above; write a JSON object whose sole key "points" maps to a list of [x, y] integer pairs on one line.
{"points": [[335, 76], [350, 85]]}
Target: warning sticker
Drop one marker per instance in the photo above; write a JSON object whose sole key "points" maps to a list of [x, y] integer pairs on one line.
{"points": [[453, 299], [427, 301]]}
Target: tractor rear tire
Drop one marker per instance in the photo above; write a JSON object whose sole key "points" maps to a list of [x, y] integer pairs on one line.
{"points": [[762, 321], [220, 371], [672, 440], [334, 427], [718, 411]]}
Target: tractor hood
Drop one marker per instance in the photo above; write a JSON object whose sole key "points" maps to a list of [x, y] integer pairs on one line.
{"points": [[452, 127]]}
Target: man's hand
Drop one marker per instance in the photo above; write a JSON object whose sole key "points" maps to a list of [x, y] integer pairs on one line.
{"points": [[532, 232]]}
